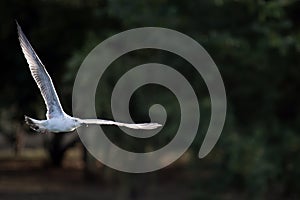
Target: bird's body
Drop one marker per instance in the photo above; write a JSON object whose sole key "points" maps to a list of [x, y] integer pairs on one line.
{"points": [[57, 120], [57, 124]]}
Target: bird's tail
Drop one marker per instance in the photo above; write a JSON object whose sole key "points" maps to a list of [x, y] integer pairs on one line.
{"points": [[30, 122]]}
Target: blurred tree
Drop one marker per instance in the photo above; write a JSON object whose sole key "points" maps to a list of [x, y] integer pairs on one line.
{"points": [[256, 45]]}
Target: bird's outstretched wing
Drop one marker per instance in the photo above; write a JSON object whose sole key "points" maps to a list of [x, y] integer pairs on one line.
{"points": [[144, 126], [41, 77]]}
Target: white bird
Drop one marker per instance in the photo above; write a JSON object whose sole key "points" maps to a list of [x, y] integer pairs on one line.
{"points": [[57, 119]]}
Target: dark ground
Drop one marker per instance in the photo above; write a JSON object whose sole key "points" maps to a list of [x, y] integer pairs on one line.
{"points": [[30, 177]]}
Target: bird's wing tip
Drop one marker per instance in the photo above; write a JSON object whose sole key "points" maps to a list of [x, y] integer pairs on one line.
{"points": [[151, 126], [17, 23], [156, 125]]}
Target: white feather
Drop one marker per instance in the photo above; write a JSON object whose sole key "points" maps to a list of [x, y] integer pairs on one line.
{"points": [[57, 119]]}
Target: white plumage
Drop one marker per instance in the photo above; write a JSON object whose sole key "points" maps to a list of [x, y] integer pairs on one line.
{"points": [[57, 119]]}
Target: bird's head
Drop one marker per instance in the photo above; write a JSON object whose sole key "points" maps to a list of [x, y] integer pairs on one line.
{"points": [[76, 122]]}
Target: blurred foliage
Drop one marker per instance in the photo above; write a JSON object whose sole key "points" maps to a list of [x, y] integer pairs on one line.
{"points": [[255, 44]]}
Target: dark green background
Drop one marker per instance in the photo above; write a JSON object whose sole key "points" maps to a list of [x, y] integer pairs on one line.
{"points": [[255, 44]]}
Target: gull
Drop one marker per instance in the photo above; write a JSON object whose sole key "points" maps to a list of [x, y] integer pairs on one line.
{"points": [[57, 120]]}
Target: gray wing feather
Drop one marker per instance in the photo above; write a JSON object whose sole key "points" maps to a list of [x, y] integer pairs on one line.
{"points": [[41, 77], [144, 126]]}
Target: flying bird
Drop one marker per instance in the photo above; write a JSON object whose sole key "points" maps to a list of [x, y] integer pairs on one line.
{"points": [[57, 120]]}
